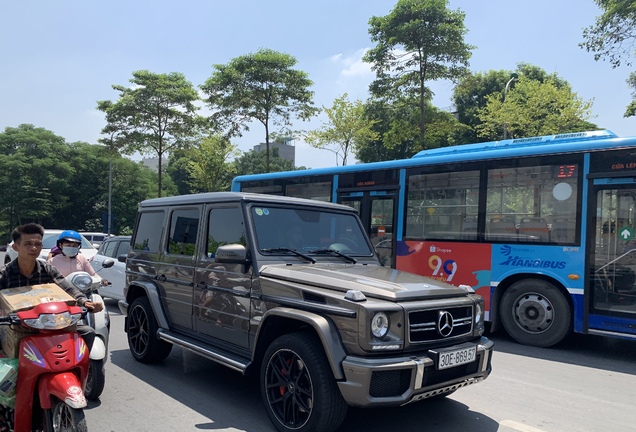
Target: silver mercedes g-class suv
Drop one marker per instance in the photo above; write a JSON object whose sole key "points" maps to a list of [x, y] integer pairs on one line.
{"points": [[292, 290]]}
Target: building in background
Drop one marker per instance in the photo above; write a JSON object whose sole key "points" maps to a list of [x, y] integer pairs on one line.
{"points": [[286, 149]]}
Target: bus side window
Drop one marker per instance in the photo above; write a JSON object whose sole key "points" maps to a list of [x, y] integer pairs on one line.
{"points": [[563, 230], [469, 228], [502, 228], [535, 228]]}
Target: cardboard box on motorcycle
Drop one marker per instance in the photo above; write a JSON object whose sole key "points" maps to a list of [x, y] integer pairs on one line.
{"points": [[17, 299]]}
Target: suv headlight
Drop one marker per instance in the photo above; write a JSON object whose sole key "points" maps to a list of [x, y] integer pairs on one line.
{"points": [[479, 317], [380, 325]]}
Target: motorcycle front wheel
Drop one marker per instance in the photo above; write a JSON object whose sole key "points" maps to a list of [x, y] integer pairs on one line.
{"points": [[96, 379], [63, 418]]}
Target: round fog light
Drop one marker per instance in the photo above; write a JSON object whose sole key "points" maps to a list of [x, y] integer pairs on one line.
{"points": [[380, 325]]}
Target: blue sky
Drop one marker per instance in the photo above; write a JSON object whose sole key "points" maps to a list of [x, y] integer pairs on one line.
{"points": [[59, 57]]}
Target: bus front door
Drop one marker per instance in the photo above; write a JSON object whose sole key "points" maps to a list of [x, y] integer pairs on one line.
{"points": [[377, 211], [612, 228]]}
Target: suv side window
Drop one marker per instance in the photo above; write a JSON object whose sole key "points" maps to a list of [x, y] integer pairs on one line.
{"points": [[225, 226], [184, 225], [109, 250], [148, 232], [123, 248]]}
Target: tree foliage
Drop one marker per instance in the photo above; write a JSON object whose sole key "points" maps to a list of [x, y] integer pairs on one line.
{"points": [[396, 125], [470, 94], [157, 115], [209, 165], [261, 86], [254, 162], [612, 38], [346, 128], [613, 35], [35, 174], [534, 108], [419, 41], [63, 185]]}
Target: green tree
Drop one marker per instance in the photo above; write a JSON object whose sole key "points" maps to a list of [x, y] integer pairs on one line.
{"points": [[177, 169], [419, 41], [209, 167], [396, 124], [534, 108], [347, 127], [261, 86], [255, 162], [612, 38], [470, 94], [36, 171], [157, 115], [132, 183]]}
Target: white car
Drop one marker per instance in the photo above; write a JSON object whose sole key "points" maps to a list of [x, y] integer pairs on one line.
{"points": [[116, 248], [96, 238], [48, 241]]}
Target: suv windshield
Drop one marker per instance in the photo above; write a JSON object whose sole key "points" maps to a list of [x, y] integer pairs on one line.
{"points": [[279, 229]]}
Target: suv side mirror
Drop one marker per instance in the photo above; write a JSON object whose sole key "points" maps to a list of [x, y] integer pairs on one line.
{"points": [[232, 254], [108, 263]]}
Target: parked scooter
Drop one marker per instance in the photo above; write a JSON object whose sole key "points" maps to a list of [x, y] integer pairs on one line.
{"points": [[52, 366], [100, 321]]}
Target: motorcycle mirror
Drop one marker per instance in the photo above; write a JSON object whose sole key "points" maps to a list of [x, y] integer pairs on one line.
{"points": [[108, 263]]}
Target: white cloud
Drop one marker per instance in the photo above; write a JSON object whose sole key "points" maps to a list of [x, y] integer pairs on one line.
{"points": [[352, 65]]}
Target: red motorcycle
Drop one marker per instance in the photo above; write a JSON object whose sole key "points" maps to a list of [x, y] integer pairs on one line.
{"points": [[52, 370]]}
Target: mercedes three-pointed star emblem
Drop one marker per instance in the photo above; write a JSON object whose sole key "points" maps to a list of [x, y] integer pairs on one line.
{"points": [[444, 323]]}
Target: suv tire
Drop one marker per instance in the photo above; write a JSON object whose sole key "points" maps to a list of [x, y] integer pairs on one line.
{"points": [[298, 388], [143, 342]]}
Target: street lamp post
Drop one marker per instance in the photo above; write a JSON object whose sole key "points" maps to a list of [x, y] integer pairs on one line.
{"points": [[110, 194], [513, 77]]}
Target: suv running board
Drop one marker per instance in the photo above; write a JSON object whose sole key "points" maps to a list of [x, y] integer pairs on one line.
{"points": [[221, 356]]}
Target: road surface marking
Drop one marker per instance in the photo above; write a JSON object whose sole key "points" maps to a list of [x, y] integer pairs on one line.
{"points": [[519, 426]]}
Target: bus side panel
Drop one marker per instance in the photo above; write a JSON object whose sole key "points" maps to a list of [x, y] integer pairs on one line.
{"points": [[484, 266], [562, 264], [454, 263]]}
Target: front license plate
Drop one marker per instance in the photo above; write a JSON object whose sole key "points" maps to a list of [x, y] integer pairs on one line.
{"points": [[448, 359]]}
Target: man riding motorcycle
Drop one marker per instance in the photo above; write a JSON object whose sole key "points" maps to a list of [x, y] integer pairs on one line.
{"points": [[27, 270]]}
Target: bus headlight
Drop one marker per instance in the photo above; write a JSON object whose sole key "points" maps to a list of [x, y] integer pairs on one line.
{"points": [[380, 325]]}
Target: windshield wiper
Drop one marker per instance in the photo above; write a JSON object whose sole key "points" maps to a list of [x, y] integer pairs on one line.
{"points": [[333, 251], [294, 251]]}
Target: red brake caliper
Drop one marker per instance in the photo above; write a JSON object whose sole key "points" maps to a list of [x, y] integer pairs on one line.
{"points": [[283, 388]]}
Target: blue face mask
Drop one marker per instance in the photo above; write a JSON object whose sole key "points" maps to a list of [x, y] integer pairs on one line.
{"points": [[70, 251]]}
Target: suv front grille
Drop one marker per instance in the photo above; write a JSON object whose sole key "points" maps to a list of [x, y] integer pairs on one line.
{"points": [[424, 324]]}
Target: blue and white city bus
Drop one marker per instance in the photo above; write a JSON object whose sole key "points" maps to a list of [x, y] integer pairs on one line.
{"points": [[543, 228]]}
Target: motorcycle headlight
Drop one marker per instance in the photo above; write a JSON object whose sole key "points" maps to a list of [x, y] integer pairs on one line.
{"points": [[82, 281], [380, 325], [53, 321]]}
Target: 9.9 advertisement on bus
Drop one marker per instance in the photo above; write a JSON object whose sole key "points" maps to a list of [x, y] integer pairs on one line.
{"points": [[454, 263]]}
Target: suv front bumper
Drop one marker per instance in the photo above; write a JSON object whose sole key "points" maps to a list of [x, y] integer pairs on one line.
{"points": [[401, 380]]}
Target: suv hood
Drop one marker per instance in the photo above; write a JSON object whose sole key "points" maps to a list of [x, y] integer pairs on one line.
{"points": [[374, 281]]}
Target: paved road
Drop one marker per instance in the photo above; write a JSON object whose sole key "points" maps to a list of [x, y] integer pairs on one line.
{"points": [[586, 385]]}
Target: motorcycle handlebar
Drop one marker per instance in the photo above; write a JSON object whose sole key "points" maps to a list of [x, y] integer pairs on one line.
{"points": [[10, 319]]}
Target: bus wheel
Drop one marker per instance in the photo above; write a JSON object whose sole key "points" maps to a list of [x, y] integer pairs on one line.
{"points": [[535, 312]]}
